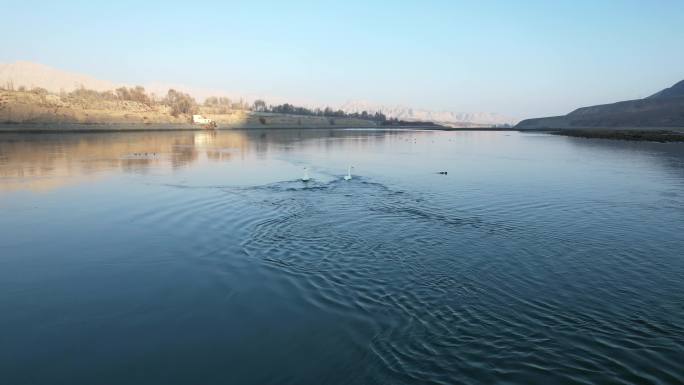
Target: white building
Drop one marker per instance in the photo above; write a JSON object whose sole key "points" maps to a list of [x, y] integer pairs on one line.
{"points": [[199, 119]]}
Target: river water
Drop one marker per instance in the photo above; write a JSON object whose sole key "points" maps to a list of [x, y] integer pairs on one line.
{"points": [[201, 258]]}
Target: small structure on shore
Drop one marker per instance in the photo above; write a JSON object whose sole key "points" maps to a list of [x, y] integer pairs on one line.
{"points": [[199, 119], [205, 122]]}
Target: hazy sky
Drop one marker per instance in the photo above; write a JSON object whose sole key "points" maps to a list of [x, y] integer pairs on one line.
{"points": [[520, 58]]}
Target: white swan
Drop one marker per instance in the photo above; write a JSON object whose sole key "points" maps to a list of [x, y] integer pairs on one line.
{"points": [[348, 176], [306, 178]]}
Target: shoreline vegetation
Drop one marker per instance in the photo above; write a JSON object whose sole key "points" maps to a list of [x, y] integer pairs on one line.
{"points": [[633, 134], [135, 109]]}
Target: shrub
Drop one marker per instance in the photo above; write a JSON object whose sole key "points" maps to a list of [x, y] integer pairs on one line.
{"points": [[180, 103], [136, 94], [221, 104], [85, 95], [39, 91]]}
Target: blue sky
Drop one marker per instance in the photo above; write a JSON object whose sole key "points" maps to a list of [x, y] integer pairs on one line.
{"points": [[519, 58]]}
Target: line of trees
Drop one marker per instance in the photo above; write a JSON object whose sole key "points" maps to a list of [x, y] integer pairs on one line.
{"points": [[134, 94], [182, 103], [286, 108], [223, 104], [178, 102]]}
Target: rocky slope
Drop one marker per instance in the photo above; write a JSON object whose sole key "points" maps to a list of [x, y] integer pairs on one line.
{"points": [[664, 109]]}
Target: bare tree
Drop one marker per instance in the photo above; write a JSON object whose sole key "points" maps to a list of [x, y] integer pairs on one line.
{"points": [[259, 105], [180, 103]]}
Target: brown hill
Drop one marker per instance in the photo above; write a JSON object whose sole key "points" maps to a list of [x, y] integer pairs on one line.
{"points": [[664, 109]]}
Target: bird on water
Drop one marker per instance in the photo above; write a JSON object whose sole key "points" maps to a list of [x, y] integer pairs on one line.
{"points": [[305, 177], [348, 176]]}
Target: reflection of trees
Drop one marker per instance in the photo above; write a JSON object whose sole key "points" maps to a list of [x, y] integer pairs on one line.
{"points": [[136, 165], [38, 160], [29, 160], [183, 155]]}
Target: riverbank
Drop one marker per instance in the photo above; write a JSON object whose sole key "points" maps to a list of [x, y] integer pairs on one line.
{"points": [[132, 127], [662, 136], [122, 127], [442, 128], [40, 111]]}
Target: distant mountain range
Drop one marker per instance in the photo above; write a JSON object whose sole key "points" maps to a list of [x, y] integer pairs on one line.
{"points": [[661, 110], [448, 118], [30, 75]]}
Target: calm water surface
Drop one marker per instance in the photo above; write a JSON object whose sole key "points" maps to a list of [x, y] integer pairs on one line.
{"points": [[200, 258]]}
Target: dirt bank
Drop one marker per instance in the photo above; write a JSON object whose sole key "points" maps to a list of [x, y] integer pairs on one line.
{"points": [[20, 110]]}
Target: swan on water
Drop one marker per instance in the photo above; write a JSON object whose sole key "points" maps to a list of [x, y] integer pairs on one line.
{"points": [[306, 178], [348, 176]]}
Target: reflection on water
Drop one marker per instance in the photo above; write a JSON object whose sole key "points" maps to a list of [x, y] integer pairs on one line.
{"points": [[45, 161], [178, 257], [48, 160]]}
